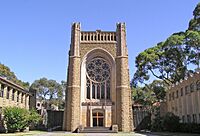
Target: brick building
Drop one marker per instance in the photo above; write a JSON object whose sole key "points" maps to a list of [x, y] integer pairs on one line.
{"points": [[12, 95], [183, 99], [98, 85]]}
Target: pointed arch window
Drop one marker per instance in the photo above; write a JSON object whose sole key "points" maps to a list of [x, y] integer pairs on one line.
{"points": [[98, 79]]}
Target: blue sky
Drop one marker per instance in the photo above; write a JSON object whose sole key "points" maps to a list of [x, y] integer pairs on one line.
{"points": [[35, 34]]}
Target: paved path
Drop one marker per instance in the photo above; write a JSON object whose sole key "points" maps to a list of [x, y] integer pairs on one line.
{"points": [[115, 134], [64, 133], [90, 134]]}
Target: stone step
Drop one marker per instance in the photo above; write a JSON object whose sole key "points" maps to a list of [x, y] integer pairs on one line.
{"points": [[96, 130]]}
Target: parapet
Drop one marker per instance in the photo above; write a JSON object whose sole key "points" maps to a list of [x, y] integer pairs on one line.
{"points": [[98, 36]]}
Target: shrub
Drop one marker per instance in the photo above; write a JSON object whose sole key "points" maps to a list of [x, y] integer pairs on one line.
{"points": [[190, 128], [17, 119], [156, 124], [170, 122], [34, 117]]}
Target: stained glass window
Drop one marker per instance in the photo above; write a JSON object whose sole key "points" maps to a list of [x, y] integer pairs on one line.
{"points": [[98, 76]]}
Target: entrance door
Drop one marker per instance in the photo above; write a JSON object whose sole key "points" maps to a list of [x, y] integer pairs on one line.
{"points": [[97, 119]]}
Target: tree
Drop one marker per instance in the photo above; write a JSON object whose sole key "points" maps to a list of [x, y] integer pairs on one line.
{"points": [[146, 62], [170, 122], [158, 87], [166, 61], [6, 72], [193, 46], [150, 93], [169, 60], [49, 90], [174, 61], [194, 23], [193, 37]]}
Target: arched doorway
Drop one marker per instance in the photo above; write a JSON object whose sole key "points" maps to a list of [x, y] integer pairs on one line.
{"points": [[98, 119]]}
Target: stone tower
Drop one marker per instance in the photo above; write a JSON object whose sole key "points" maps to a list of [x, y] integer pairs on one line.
{"points": [[98, 90]]}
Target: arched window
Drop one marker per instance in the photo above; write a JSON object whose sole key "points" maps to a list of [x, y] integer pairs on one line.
{"points": [[198, 85], [88, 89], [98, 77]]}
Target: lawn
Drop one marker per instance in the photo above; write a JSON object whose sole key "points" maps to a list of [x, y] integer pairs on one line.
{"points": [[29, 133]]}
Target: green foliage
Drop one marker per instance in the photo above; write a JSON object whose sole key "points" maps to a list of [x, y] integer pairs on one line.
{"points": [[34, 117], [50, 91], [169, 122], [15, 118], [156, 125], [6, 72], [18, 118], [149, 94], [169, 59], [193, 46], [165, 61], [189, 128], [194, 23]]}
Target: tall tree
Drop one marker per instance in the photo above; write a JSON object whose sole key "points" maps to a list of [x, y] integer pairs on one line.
{"points": [[166, 61], [6, 72], [49, 90], [169, 60], [193, 46], [150, 93], [174, 59], [194, 23], [193, 37]]}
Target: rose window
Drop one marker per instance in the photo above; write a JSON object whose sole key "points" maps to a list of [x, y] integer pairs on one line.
{"points": [[98, 70]]}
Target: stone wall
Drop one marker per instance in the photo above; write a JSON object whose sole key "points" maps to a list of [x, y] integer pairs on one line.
{"points": [[87, 47]]}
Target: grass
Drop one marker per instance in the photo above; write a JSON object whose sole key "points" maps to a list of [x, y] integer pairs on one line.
{"points": [[29, 133]]}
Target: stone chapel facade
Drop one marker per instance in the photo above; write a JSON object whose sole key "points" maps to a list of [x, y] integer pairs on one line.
{"points": [[98, 90]]}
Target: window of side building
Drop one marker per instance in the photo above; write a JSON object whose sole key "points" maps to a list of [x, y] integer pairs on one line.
{"points": [[25, 99], [13, 94], [2, 91], [8, 92], [181, 91], [169, 96], [172, 95], [192, 87], [0, 113], [194, 118], [183, 119], [188, 119], [199, 117], [22, 96], [198, 85], [176, 93], [186, 89], [18, 96]]}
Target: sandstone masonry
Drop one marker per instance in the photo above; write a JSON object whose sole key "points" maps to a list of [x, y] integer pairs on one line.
{"points": [[98, 86]]}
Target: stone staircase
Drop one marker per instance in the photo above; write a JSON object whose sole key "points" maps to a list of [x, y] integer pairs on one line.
{"points": [[97, 130]]}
